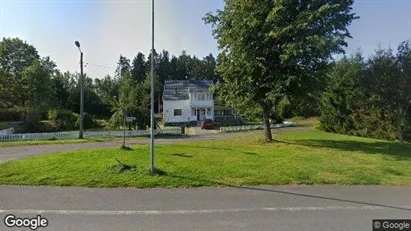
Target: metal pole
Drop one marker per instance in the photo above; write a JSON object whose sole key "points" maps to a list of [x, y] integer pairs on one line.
{"points": [[152, 169], [124, 115], [81, 96], [124, 129]]}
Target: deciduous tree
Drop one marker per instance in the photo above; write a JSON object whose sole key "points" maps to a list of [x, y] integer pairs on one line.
{"points": [[274, 48]]}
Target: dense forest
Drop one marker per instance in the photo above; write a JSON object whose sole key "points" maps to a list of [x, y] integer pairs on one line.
{"points": [[360, 96], [33, 89]]}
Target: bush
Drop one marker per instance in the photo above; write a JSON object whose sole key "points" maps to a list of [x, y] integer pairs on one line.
{"points": [[12, 114], [63, 119], [88, 122]]}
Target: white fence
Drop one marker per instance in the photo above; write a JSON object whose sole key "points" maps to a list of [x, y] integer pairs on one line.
{"points": [[256, 127], [91, 134], [8, 131]]}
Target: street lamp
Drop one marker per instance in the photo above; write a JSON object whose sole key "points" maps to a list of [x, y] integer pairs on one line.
{"points": [[80, 135]]}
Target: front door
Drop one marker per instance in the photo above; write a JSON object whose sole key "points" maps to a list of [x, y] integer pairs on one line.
{"points": [[201, 114]]}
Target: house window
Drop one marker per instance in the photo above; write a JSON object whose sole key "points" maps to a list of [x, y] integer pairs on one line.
{"points": [[209, 111], [193, 112], [199, 96], [178, 112]]}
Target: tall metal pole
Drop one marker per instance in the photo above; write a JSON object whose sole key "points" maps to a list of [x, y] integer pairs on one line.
{"points": [[124, 119], [152, 169], [124, 128], [81, 96]]}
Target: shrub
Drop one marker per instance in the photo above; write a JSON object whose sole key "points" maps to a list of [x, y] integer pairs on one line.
{"points": [[88, 122], [12, 114], [63, 119]]}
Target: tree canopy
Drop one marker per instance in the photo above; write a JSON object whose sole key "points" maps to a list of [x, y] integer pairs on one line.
{"points": [[270, 49]]}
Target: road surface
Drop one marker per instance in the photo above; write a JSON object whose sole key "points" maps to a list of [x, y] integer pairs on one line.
{"points": [[12, 153], [308, 208]]}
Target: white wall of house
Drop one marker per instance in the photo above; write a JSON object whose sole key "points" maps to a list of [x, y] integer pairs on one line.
{"points": [[168, 109], [188, 108]]}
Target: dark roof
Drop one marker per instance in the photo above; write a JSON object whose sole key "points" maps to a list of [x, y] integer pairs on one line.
{"points": [[179, 89]]}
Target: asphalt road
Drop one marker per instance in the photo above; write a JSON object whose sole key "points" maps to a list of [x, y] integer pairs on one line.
{"points": [[308, 208], [12, 153]]}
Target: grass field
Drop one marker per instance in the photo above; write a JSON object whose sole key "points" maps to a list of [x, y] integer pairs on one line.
{"points": [[62, 141], [311, 157], [75, 141]]}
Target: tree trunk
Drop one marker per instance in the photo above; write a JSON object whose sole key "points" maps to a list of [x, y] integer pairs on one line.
{"points": [[400, 118], [267, 127], [400, 133], [159, 102]]}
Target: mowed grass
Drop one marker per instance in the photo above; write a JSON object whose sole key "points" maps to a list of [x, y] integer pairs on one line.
{"points": [[311, 157], [60, 141]]}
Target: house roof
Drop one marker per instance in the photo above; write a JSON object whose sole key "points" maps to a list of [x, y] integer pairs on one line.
{"points": [[180, 89]]}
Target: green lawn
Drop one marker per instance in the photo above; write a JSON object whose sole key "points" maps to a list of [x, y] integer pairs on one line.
{"points": [[311, 157], [62, 141]]}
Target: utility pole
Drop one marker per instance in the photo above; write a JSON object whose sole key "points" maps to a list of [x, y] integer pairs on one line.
{"points": [[152, 168], [81, 81]]}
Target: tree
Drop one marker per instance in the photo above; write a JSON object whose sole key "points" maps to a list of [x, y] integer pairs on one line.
{"points": [[392, 75], [156, 61], [134, 100], [123, 66], [174, 75], [209, 68], [341, 95], [270, 49], [107, 89], [196, 68], [138, 69], [38, 87], [183, 66], [15, 56], [163, 73], [62, 89]]}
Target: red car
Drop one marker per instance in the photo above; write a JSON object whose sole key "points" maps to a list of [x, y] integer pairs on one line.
{"points": [[208, 124]]}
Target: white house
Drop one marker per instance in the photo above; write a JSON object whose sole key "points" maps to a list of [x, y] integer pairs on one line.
{"points": [[187, 101]]}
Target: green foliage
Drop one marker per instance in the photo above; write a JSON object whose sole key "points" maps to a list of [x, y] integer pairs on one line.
{"points": [[134, 100], [340, 95], [284, 108], [276, 48], [63, 120], [138, 71], [88, 122], [370, 98], [12, 114], [15, 56]]}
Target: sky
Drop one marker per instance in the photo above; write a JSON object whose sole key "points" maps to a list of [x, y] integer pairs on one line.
{"points": [[108, 28]]}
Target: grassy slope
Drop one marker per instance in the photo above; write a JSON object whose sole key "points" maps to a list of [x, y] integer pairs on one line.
{"points": [[312, 157]]}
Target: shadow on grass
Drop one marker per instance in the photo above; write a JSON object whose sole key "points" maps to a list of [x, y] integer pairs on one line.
{"points": [[390, 149], [182, 155], [121, 167], [126, 148], [284, 192], [215, 148], [204, 147], [167, 136], [250, 153], [96, 140]]}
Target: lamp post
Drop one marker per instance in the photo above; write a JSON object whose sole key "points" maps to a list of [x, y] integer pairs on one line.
{"points": [[80, 135], [152, 168]]}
